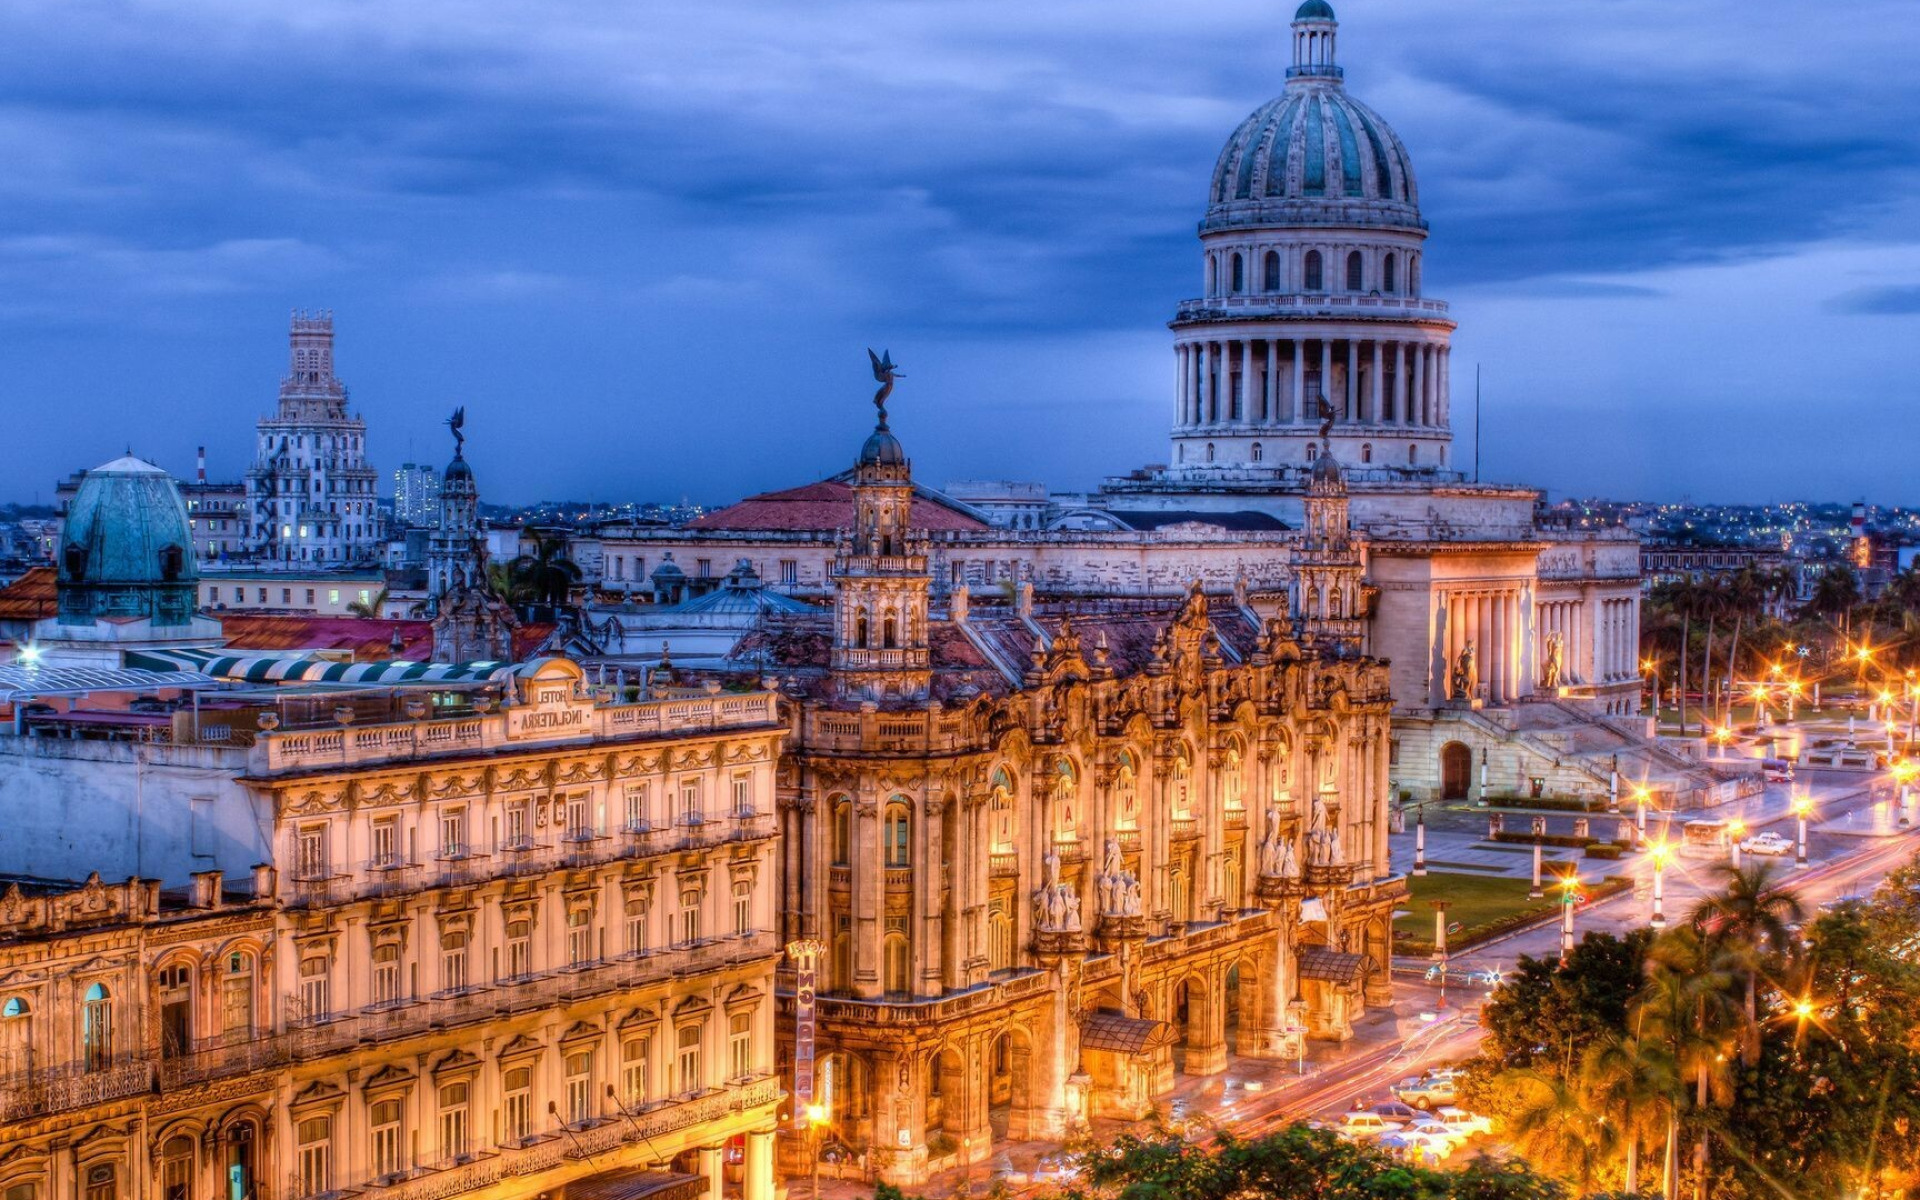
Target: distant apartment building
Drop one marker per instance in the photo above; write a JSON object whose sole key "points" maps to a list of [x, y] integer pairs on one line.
{"points": [[262, 589], [416, 496]]}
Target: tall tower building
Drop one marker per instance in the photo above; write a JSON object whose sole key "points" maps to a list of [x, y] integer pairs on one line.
{"points": [[311, 494], [1311, 252], [416, 496], [881, 580]]}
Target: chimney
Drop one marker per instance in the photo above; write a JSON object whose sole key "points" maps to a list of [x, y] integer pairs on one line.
{"points": [[262, 882], [207, 888], [200, 474]]}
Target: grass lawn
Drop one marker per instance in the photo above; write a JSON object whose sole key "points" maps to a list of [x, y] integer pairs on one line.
{"points": [[1477, 902]]}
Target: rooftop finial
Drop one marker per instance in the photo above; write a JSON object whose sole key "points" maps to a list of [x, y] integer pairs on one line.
{"points": [[457, 422], [885, 372], [1314, 31]]}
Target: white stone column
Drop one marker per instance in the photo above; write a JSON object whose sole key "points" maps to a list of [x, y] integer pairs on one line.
{"points": [[1326, 379], [1402, 384], [1246, 383], [1500, 660], [1350, 393], [1429, 415], [1270, 386], [1297, 404], [1446, 387], [1373, 388]]}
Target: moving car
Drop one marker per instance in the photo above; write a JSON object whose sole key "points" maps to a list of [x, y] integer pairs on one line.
{"points": [[1766, 843]]}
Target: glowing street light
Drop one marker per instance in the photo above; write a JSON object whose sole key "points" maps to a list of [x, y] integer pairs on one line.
{"points": [[1802, 805], [1903, 773], [1569, 897], [816, 1127], [1660, 853], [1640, 798], [1737, 830], [1419, 840]]}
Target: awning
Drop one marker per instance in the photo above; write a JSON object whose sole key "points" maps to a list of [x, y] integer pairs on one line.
{"points": [[1331, 966], [630, 1184], [1117, 1033], [42, 681], [278, 668]]}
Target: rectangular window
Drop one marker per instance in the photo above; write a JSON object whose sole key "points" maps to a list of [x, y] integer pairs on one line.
{"points": [[453, 961], [742, 908], [635, 1054], [309, 595], [743, 795], [580, 1087], [315, 1138], [518, 829], [383, 1139], [262, 595], [789, 571], [333, 596], [690, 813], [453, 832], [690, 916], [703, 568], [316, 987], [455, 1106], [740, 1045], [386, 845], [579, 937], [687, 1063], [310, 853], [579, 828], [636, 926], [519, 948], [386, 974], [516, 1114], [636, 813]]}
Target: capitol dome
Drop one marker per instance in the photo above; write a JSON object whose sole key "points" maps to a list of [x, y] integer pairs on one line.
{"points": [[1313, 155], [126, 547]]}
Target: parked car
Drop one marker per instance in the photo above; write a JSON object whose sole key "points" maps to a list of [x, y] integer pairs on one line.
{"points": [[1398, 1113], [1768, 842], [1466, 1124], [1360, 1126], [1433, 1136], [1426, 1092]]}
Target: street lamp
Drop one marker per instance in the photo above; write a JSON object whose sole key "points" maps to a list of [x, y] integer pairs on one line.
{"points": [[1569, 897], [1440, 944], [1651, 670], [1736, 829], [1660, 853], [1539, 828], [1420, 839], [1802, 805], [1640, 799], [816, 1126], [1903, 773]]}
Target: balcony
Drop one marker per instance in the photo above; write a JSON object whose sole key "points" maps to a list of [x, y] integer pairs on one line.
{"points": [[1184, 829], [1308, 304], [899, 879], [46, 1090], [222, 1057], [1128, 839], [1003, 865], [318, 1037], [886, 732], [485, 1167]]}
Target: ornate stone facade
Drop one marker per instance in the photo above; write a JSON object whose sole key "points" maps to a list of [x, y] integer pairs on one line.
{"points": [[1051, 868], [522, 941]]}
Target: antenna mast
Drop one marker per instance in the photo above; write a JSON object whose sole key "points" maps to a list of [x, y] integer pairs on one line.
{"points": [[1476, 422]]}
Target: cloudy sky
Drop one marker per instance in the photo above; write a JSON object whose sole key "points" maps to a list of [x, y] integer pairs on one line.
{"points": [[645, 242]]}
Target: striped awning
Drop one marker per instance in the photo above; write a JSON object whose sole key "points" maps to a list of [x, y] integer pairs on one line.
{"points": [[281, 668]]}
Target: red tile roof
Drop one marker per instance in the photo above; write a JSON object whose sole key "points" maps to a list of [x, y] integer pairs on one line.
{"points": [[30, 597], [820, 507], [370, 639]]}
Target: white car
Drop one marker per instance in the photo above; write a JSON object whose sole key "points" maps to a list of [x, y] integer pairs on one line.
{"points": [[1463, 1123], [1432, 1136], [1766, 843], [1358, 1126]]}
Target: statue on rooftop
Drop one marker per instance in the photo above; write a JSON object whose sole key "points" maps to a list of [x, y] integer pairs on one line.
{"points": [[1463, 673], [885, 372], [1550, 669], [457, 422]]}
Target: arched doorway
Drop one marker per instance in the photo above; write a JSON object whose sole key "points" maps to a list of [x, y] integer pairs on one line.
{"points": [[1456, 771], [1010, 1085]]}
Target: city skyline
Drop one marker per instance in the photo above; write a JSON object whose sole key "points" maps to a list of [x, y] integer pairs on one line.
{"points": [[504, 215]]}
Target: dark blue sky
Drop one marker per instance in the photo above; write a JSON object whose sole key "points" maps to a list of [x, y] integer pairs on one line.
{"points": [[646, 244]]}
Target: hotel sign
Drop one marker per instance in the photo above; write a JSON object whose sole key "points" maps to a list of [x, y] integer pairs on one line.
{"points": [[806, 960], [568, 719]]}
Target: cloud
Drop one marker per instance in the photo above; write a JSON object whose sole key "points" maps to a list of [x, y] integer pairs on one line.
{"points": [[1878, 301]]}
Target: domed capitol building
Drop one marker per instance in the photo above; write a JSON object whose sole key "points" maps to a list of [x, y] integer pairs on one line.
{"points": [[1313, 353]]}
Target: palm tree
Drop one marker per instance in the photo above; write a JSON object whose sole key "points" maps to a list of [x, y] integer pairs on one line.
{"points": [[1689, 1005], [1555, 1127], [1748, 917], [1744, 595], [371, 607], [547, 575], [1835, 594], [1628, 1079]]}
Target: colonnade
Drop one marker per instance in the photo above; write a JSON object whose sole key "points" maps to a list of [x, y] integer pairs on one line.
{"points": [[1494, 620], [1249, 382], [1568, 619], [1617, 641]]}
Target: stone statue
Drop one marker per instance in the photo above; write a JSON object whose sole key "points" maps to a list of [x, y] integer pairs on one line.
{"points": [[1550, 669], [457, 422], [1056, 906], [1110, 861], [1463, 673], [1117, 888], [1274, 847], [1289, 865], [1323, 844], [885, 372]]}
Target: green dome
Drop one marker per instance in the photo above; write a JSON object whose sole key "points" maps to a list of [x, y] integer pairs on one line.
{"points": [[1314, 10], [126, 547]]}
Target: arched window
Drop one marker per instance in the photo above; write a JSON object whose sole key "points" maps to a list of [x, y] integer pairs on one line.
{"points": [[1356, 272], [1005, 823], [1316, 280], [1366, 452], [1126, 797], [890, 631], [842, 832], [1413, 455], [1313, 451], [860, 630], [96, 1028], [176, 1169], [1239, 275], [241, 1138], [1388, 275], [1177, 886], [899, 834], [895, 965], [999, 941], [1272, 271], [1209, 451], [1258, 453], [1066, 793], [1182, 774], [16, 1036]]}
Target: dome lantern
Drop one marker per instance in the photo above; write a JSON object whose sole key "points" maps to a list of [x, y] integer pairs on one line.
{"points": [[1314, 31]]}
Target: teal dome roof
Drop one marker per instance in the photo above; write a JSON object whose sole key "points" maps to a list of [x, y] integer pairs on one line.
{"points": [[126, 547], [1314, 10], [1314, 156]]}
